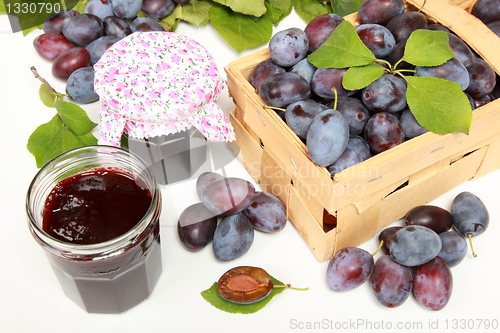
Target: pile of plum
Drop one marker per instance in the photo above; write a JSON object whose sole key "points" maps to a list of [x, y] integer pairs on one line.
{"points": [[75, 41], [417, 256], [341, 127], [240, 209]]}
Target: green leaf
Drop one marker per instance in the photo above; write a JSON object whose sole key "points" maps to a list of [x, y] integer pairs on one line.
{"points": [[283, 5], [427, 48], [359, 77], [31, 14], [248, 7], [88, 139], [309, 9], [342, 49], [3, 10], [212, 296], [439, 105], [170, 22], [78, 5], [280, 9], [274, 14], [54, 138], [346, 7], [74, 117], [48, 97], [196, 12], [240, 31]]}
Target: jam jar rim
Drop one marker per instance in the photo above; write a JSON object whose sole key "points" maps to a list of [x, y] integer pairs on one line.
{"points": [[110, 247]]}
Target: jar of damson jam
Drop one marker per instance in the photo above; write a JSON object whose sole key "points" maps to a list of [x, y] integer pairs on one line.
{"points": [[95, 211]]}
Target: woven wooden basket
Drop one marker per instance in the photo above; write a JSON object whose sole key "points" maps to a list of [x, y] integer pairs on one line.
{"points": [[350, 209]]}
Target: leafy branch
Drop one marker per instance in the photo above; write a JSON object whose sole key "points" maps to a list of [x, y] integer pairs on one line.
{"points": [[438, 105], [70, 128]]}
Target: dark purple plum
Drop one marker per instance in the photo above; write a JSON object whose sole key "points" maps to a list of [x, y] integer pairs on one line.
{"points": [[414, 245], [83, 29], [452, 70], [379, 11], [158, 9], [383, 131], [205, 179], [392, 283], [436, 218], [262, 71], [386, 236], [266, 213], [283, 89], [50, 45], [349, 268], [486, 10], [354, 111], [433, 284], [411, 127], [55, 22], [99, 46], [196, 226], [115, 26], [145, 24], [325, 79], [233, 237], [305, 69], [228, 196], [404, 24], [454, 247], [320, 28], [356, 151], [69, 61], [482, 79], [327, 137], [80, 86], [299, 116], [470, 215], [288, 47], [462, 51], [127, 9], [386, 94], [376, 38], [99, 8]]}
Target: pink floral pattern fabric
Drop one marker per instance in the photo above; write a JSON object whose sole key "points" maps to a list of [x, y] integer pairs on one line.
{"points": [[157, 83]]}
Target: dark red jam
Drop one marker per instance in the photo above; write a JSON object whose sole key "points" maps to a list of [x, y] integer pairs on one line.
{"points": [[94, 206]]}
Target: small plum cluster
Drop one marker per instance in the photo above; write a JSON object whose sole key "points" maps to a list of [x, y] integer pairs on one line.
{"points": [[240, 208], [75, 41], [417, 257], [342, 127]]}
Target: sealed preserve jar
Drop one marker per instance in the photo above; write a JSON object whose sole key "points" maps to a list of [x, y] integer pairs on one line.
{"points": [[161, 90], [95, 211]]}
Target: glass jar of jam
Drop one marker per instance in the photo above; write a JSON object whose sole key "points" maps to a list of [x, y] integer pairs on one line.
{"points": [[95, 211]]}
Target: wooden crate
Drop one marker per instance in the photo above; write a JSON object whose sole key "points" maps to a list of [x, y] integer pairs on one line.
{"points": [[365, 198]]}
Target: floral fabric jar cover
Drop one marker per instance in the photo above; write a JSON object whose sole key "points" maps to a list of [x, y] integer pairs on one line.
{"points": [[158, 83]]}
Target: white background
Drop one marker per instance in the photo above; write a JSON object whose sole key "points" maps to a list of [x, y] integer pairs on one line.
{"points": [[32, 301]]}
